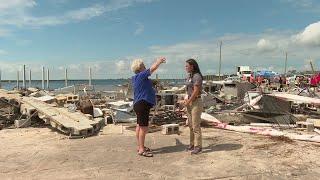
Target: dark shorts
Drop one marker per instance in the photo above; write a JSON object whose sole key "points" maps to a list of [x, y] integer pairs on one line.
{"points": [[142, 109]]}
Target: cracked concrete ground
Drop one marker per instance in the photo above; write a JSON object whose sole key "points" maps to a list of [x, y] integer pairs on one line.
{"points": [[40, 153]]}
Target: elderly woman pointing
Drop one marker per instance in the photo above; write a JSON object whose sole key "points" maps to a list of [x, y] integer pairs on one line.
{"points": [[144, 100]]}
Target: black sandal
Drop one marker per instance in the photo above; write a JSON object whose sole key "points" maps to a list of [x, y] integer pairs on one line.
{"points": [[190, 148], [146, 149], [145, 154]]}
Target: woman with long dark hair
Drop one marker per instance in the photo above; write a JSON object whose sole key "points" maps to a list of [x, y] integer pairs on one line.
{"points": [[194, 105]]}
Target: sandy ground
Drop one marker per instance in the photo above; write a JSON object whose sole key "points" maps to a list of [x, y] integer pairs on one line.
{"points": [[40, 153]]}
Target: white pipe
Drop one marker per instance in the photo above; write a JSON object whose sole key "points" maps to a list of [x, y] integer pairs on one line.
{"points": [[18, 79], [43, 77], [66, 78], [30, 78], [260, 130], [24, 77], [48, 76]]}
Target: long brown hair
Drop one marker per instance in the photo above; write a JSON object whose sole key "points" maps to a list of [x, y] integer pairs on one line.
{"points": [[195, 66]]}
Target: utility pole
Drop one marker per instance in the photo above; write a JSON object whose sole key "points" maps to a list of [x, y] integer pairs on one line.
{"points": [[285, 65], [312, 67], [220, 61], [66, 77], [90, 77]]}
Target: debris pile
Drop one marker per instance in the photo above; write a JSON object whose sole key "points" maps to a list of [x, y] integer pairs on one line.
{"points": [[266, 107]]}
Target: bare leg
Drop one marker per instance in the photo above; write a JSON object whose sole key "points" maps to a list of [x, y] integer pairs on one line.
{"points": [[137, 135], [142, 135]]}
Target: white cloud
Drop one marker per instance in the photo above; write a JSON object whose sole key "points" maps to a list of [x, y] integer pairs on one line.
{"points": [[9, 69], [121, 66], [310, 35], [25, 19], [13, 4], [86, 13], [237, 49], [59, 2], [73, 67], [261, 51], [265, 45], [139, 30], [17, 12]]}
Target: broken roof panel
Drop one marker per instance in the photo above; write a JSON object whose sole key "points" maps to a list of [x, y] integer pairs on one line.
{"points": [[296, 98]]}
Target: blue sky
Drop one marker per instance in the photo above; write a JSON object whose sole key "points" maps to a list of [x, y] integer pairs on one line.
{"points": [[107, 34]]}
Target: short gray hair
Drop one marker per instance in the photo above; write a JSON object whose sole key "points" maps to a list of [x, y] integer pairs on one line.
{"points": [[136, 65]]}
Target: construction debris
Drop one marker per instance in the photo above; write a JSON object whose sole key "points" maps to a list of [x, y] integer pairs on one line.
{"points": [[261, 106], [73, 124], [168, 129]]}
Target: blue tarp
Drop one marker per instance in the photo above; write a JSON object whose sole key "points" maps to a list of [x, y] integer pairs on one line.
{"points": [[266, 74]]}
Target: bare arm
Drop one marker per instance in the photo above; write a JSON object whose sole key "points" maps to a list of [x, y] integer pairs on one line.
{"points": [[156, 65]]}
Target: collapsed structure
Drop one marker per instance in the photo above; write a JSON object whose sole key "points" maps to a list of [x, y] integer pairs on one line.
{"points": [[81, 111]]}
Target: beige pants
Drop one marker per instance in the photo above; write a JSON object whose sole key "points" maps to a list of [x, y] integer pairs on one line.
{"points": [[194, 119]]}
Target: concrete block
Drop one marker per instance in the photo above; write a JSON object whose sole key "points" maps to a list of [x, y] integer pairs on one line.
{"points": [[61, 100], [72, 98], [316, 122], [97, 112], [310, 127], [305, 125], [169, 107], [168, 129], [22, 123], [108, 120]]}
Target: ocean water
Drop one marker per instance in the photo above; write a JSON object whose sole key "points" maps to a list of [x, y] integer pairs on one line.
{"points": [[102, 84], [108, 84]]}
